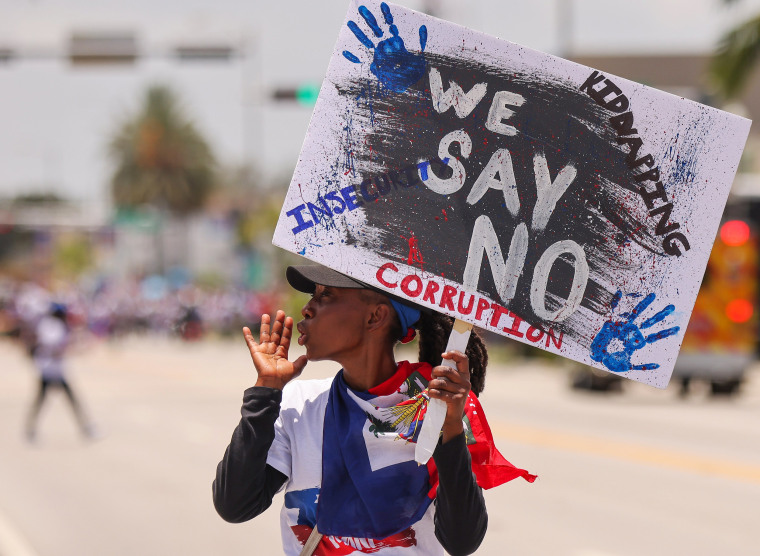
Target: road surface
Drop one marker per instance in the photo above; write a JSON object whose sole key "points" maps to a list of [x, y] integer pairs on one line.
{"points": [[638, 473]]}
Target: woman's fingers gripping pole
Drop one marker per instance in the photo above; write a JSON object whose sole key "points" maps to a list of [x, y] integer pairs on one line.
{"points": [[452, 385], [449, 383], [460, 373]]}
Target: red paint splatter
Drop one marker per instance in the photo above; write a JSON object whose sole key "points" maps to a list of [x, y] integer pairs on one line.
{"points": [[415, 255]]}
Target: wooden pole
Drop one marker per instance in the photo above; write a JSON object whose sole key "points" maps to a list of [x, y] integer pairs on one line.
{"points": [[436, 411]]}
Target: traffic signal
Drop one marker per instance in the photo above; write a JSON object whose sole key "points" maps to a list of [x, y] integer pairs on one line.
{"points": [[305, 94], [734, 233], [739, 310]]}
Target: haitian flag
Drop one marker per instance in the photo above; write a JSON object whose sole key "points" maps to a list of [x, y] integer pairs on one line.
{"points": [[371, 485]]}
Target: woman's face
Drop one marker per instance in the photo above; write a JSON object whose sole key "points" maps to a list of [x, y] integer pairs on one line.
{"points": [[334, 323]]}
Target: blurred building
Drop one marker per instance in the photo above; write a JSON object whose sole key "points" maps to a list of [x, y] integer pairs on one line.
{"points": [[69, 77], [139, 243]]}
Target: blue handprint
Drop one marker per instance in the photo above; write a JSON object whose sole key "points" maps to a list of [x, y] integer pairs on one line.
{"points": [[629, 334], [393, 65]]}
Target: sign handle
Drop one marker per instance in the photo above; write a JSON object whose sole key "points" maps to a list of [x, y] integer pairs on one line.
{"points": [[436, 410]]}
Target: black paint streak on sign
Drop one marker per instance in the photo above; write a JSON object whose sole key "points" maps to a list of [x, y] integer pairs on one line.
{"points": [[611, 97], [601, 210]]}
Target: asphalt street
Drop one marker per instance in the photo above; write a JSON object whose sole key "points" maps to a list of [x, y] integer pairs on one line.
{"points": [[641, 472]]}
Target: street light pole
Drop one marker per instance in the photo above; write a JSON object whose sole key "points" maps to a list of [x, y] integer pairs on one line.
{"points": [[565, 28]]}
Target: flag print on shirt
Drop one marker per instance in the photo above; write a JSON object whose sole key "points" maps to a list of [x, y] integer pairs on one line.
{"points": [[305, 501], [371, 485]]}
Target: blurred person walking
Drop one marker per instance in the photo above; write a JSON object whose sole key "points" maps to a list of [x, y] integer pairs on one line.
{"points": [[30, 305], [52, 337]]}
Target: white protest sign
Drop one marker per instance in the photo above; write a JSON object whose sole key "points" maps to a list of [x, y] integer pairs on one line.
{"points": [[543, 200]]}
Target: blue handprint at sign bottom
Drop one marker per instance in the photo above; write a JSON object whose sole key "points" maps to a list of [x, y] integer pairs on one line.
{"points": [[629, 335], [392, 64]]}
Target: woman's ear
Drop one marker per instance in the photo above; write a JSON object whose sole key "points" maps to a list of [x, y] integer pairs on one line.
{"points": [[380, 316]]}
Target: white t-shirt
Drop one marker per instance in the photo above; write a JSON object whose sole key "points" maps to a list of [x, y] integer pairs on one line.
{"points": [[297, 453], [52, 338]]}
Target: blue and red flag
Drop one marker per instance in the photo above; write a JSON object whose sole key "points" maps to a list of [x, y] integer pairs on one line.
{"points": [[371, 485]]}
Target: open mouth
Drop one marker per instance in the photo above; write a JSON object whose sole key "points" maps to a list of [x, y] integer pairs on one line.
{"points": [[303, 336]]}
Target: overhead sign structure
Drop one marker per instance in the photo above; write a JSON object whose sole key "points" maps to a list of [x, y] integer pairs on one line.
{"points": [[531, 196]]}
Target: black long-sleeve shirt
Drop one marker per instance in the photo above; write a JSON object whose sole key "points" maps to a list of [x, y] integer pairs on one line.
{"points": [[245, 484]]}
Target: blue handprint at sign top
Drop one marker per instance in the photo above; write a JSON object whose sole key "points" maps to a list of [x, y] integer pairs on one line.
{"points": [[392, 64], [629, 334]]}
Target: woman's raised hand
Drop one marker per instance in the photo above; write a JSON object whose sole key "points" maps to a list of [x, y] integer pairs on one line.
{"points": [[270, 353]]}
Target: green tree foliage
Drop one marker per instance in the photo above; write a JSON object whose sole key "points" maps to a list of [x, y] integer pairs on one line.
{"points": [[735, 57], [72, 256], [160, 158]]}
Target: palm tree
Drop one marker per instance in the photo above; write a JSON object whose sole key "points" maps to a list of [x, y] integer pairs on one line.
{"points": [[162, 161], [735, 57]]}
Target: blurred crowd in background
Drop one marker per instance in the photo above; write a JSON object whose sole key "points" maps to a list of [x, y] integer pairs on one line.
{"points": [[110, 309]]}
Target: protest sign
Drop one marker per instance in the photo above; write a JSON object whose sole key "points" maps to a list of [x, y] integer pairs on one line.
{"points": [[537, 198]]}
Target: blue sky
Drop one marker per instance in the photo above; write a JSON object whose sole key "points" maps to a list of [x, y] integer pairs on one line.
{"points": [[56, 120]]}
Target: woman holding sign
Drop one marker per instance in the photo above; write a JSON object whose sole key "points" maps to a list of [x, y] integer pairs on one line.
{"points": [[350, 485]]}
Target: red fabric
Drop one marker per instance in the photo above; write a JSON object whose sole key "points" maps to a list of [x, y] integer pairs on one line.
{"points": [[403, 370], [411, 333], [490, 467], [339, 546]]}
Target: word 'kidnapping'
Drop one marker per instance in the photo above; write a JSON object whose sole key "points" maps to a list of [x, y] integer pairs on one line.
{"points": [[622, 123]]}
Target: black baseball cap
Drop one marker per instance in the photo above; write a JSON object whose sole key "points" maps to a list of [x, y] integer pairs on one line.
{"points": [[304, 278]]}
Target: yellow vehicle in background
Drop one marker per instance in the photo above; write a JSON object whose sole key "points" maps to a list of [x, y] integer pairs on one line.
{"points": [[721, 340]]}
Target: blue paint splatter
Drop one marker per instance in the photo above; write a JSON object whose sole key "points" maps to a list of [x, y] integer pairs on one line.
{"points": [[425, 164], [684, 158], [387, 15], [371, 21], [616, 299], [393, 65], [658, 317], [423, 167], [351, 58], [629, 334], [359, 34]]}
